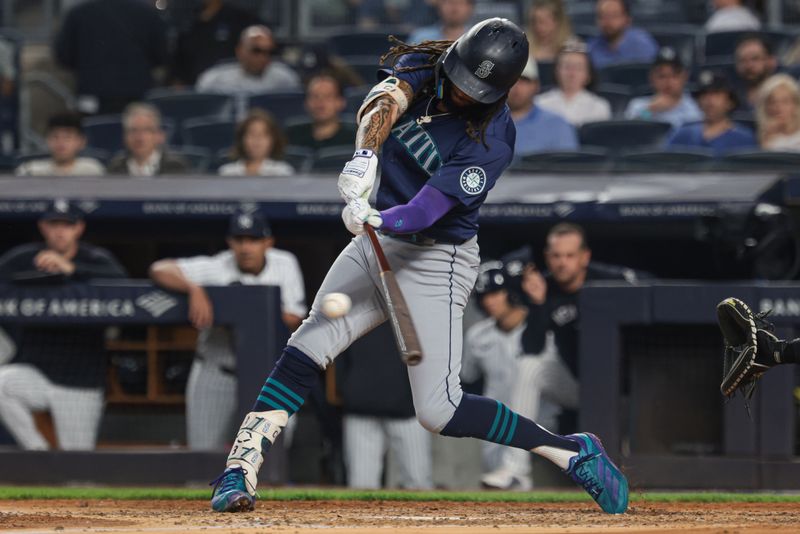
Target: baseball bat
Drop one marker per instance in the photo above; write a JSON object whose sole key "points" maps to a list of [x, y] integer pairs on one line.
{"points": [[403, 327]]}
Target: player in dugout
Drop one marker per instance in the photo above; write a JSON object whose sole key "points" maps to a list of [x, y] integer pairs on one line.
{"points": [[440, 119], [58, 369], [251, 259]]}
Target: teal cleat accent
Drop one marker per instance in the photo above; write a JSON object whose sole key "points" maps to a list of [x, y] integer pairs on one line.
{"points": [[230, 492], [593, 470]]}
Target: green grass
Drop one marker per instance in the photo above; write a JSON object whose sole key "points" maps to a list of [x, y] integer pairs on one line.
{"points": [[312, 494]]}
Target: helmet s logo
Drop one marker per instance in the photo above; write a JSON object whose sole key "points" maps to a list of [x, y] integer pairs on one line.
{"points": [[484, 69]]}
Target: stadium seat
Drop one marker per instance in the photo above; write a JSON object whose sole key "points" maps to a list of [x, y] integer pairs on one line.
{"points": [[724, 43], [198, 157], [180, 106], [619, 135], [594, 159], [280, 104], [212, 134], [617, 95], [363, 43], [331, 159], [355, 97], [631, 75], [547, 74], [104, 132], [760, 161], [366, 67], [300, 158], [648, 13], [658, 161]]}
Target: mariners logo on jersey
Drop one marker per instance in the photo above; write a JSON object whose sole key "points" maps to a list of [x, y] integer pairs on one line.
{"points": [[419, 144], [473, 180]]}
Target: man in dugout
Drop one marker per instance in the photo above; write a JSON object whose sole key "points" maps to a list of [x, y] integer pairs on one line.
{"points": [[58, 369], [250, 259]]}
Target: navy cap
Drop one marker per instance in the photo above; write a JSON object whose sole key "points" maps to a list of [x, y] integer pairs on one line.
{"points": [[668, 56], [709, 80], [249, 224], [62, 210]]}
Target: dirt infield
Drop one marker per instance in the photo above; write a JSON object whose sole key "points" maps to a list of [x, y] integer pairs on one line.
{"points": [[384, 516]]}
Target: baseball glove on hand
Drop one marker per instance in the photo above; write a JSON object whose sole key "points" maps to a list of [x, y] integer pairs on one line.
{"points": [[748, 346]]}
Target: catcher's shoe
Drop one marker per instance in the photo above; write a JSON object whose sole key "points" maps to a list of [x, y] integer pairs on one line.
{"points": [[592, 469], [230, 492], [751, 348]]}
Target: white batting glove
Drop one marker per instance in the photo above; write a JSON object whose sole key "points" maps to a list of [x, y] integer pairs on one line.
{"points": [[358, 175], [357, 213]]}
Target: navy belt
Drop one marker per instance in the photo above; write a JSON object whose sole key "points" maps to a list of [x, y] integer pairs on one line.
{"points": [[420, 239]]}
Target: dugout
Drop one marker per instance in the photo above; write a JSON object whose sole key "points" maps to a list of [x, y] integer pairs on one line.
{"points": [[651, 222]]}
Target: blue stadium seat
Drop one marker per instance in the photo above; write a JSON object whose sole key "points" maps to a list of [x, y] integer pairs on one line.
{"points": [[589, 159], [299, 157], [363, 43], [280, 104], [355, 97], [632, 75], [198, 157], [211, 134], [105, 132], [366, 67], [617, 135], [761, 161], [659, 161], [617, 95], [183, 105], [547, 74], [331, 159], [724, 43]]}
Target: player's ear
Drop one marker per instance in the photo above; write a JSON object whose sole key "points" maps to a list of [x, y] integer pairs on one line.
{"points": [[269, 242], [80, 227]]}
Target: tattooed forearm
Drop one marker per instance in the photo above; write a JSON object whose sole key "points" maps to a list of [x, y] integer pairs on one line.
{"points": [[376, 124], [377, 121]]}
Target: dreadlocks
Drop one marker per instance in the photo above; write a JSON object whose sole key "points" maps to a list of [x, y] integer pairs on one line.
{"points": [[478, 116]]}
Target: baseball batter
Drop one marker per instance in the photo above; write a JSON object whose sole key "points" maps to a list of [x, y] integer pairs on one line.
{"points": [[439, 117]]}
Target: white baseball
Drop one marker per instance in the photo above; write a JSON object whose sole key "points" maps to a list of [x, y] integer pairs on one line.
{"points": [[335, 305]]}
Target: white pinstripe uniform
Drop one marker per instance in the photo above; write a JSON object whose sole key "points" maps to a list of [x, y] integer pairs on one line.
{"points": [[495, 354], [366, 440], [75, 411], [211, 390]]}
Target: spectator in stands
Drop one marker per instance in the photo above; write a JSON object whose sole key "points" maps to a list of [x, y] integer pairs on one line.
{"points": [[571, 99], [65, 140], [144, 139], [112, 47], [538, 130], [731, 16], [778, 114], [258, 149], [755, 62], [255, 71], [549, 29], [379, 416], [8, 68], [717, 131], [454, 19], [251, 259], [210, 37], [325, 103], [670, 103], [59, 369], [619, 41]]}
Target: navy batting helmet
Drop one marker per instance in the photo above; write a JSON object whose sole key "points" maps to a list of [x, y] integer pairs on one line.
{"points": [[486, 61], [491, 278]]}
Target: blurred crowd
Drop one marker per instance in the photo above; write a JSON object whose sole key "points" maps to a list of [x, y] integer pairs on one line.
{"points": [[225, 96]]}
